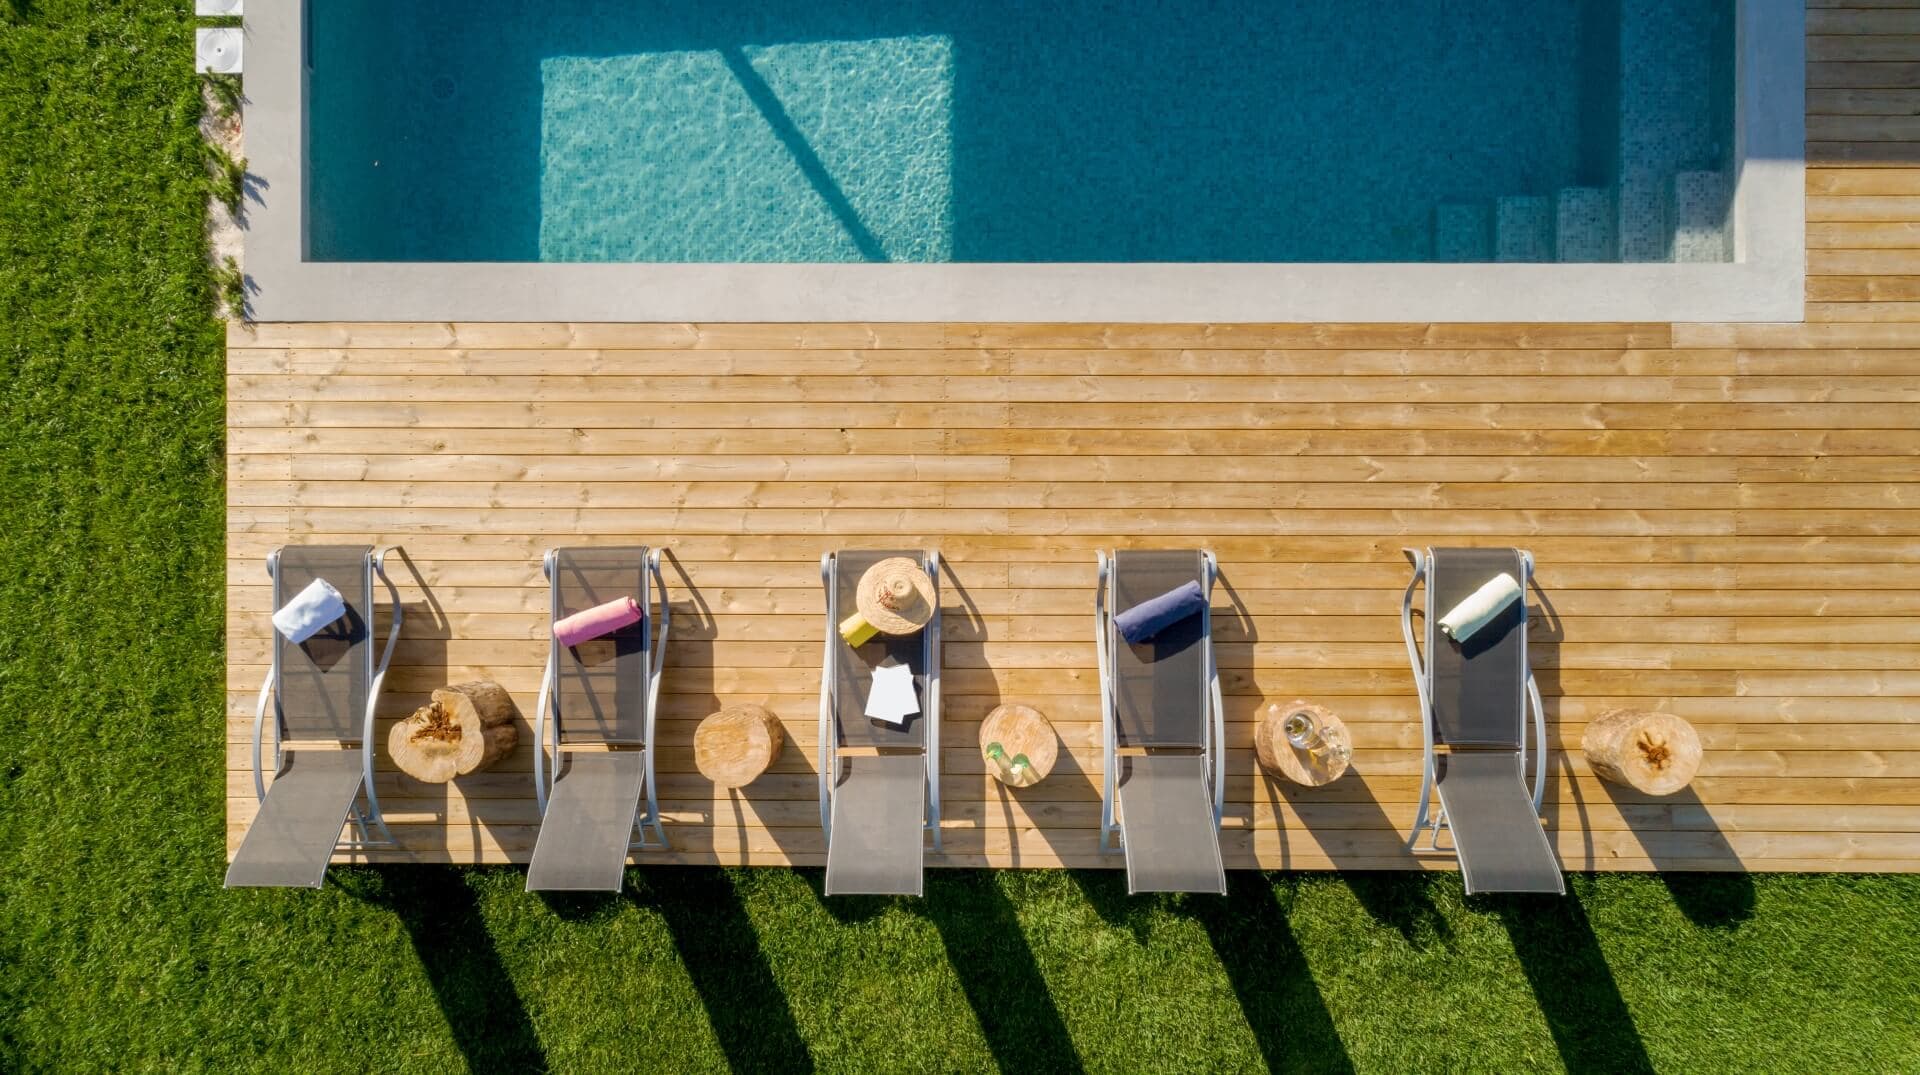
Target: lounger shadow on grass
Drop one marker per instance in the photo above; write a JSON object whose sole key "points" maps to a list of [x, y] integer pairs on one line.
{"points": [[441, 914], [1588, 1018], [990, 955], [1719, 899], [721, 951], [1394, 899], [1252, 937]]}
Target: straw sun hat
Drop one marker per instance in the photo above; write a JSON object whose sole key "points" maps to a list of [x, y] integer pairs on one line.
{"points": [[896, 596]]}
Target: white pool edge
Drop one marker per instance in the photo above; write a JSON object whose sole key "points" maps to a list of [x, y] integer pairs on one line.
{"points": [[1766, 282]]}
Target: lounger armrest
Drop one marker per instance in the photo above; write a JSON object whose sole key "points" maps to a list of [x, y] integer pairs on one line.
{"points": [[1217, 735], [932, 642], [541, 707], [398, 615], [659, 642], [1533, 697], [654, 672], [1420, 561], [826, 730], [1102, 629], [266, 691]]}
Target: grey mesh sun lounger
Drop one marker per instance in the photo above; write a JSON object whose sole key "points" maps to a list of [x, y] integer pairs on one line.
{"points": [[593, 728], [1163, 801], [877, 805], [324, 691], [1473, 700]]}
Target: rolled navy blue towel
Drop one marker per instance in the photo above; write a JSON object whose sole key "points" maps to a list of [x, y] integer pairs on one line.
{"points": [[1154, 615]]}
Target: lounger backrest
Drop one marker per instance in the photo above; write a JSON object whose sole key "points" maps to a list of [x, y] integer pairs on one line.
{"points": [[853, 665], [322, 693], [1160, 687], [1480, 688], [600, 686]]}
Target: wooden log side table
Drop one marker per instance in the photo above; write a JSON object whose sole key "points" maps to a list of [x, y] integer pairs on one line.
{"points": [[464, 729], [734, 746], [1020, 730], [1656, 753], [1307, 768]]}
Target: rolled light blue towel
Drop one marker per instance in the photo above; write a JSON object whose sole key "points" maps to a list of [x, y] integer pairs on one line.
{"points": [[1480, 607], [310, 610], [1154, 615]]}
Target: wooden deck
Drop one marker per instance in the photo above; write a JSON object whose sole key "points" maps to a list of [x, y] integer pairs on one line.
{"points": [[1727, 521]]}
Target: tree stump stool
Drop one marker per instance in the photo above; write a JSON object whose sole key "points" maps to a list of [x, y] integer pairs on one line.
{"points": [[1020, 730], [1657, 753], [1306, 768], [734, 746], [465, 728]]}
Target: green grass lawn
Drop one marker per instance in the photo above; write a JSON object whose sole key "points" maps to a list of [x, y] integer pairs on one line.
{"points": [[119, 951]]}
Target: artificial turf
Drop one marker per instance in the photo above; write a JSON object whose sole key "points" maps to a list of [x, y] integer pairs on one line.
{"points": [[119, 950]]}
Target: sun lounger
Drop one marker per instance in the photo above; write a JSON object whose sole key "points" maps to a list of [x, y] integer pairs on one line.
{"points": [[324, 690], [1160, 700], [593, 727], [876, 805], [1473, 700]]}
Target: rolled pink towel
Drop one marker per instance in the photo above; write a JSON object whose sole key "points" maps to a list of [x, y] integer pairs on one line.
{"points": [[596, 621]]}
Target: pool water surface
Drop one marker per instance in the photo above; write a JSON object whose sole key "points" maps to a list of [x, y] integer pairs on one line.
{"points": [[1003, 131]]}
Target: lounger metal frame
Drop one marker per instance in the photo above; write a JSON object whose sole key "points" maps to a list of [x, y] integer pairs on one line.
{"points": [[366, 817], [1215, 726], [546, 742], [829, 702], [1426, 817]]}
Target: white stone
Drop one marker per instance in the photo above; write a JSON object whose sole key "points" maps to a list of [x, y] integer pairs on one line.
{"points": [[217, 50]]}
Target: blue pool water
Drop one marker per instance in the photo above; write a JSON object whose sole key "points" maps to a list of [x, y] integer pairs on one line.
{"points": [[1003, 130]]}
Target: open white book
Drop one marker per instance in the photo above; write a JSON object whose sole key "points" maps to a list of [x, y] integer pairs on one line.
{"points": [[892, 697]]}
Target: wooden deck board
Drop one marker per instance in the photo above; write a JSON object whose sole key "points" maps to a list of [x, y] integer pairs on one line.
{"points": [[1727, 519]]}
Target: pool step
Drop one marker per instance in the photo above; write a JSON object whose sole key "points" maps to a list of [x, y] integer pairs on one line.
{"points": [[1583, 224], [1642, 216], [1462, 231], [1702, 202], [1522, 228], [1666, 113]]}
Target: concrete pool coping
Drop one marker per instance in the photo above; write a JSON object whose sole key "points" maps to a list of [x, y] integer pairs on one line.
{"points": [[1765, 282]]}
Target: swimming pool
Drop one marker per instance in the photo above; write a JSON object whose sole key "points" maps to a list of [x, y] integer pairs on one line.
{"points": [[1007, 131], [1144, 160]]}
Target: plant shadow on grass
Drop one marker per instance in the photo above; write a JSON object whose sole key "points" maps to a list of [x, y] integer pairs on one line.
{"points": [[442, 917], [721, 951], [1252, 938], [990, 955], [1589, 1020]]}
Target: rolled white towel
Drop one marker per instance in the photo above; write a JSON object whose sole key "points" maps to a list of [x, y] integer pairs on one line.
{"points": [[310, 610], [1480, 607]]}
